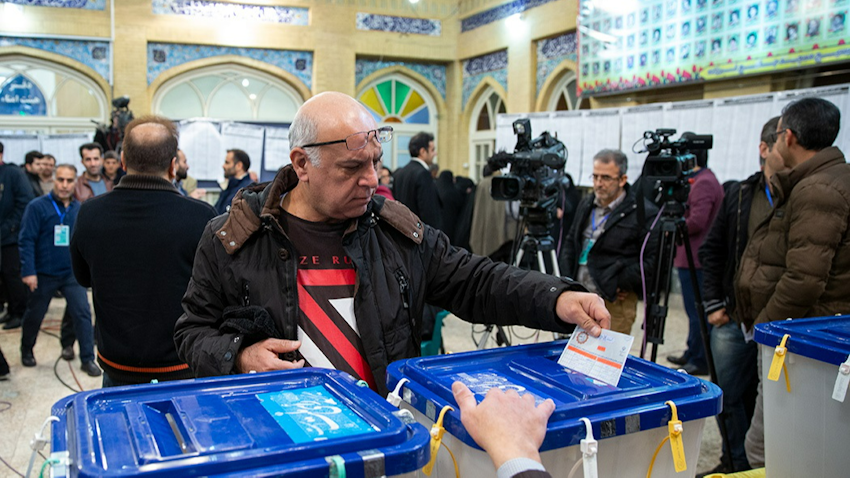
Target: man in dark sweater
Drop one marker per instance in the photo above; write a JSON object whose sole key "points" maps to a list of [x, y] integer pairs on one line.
{"points": [[16, 194], [155, 230], [46, 267]]}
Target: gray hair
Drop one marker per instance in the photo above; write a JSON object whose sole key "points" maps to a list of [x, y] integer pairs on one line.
{"points": [[66, 166], [606, 156], [305, 130]]}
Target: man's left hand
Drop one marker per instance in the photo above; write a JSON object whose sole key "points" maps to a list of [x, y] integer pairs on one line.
{"points": [[585, 310]]}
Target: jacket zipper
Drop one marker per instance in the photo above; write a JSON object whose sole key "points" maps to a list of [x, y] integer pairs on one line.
{"points": [[404, 288]]}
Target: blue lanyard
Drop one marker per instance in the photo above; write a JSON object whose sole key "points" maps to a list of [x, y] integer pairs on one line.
{"points": [[767, 191], [56, 207], [593, 220]]}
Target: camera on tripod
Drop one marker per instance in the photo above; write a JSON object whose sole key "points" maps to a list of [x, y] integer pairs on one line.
{"points": [[537, 167], [671, 163]]}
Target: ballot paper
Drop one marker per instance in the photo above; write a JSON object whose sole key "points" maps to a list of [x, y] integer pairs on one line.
{"points": [[601, 358]]}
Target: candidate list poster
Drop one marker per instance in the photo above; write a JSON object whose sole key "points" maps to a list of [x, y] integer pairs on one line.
{"points": [[647, 43]]}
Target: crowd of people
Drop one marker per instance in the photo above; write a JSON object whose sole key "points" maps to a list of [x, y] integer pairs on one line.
{"points": [[321, 267]]}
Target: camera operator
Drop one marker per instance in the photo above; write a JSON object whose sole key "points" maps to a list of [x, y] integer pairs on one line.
{"points": [[602, 248], [704, 199]]}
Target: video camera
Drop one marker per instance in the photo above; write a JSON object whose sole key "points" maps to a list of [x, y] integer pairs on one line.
{"points": [[110, 136], [671, 163], [536, 169]]}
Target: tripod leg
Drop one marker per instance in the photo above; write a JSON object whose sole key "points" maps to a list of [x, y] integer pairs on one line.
{"points": [[556, 269], [657, 299], [703, 328], [519, 255], [540, 262]]}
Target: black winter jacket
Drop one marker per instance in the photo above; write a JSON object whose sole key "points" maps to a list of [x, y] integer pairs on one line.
{"points": [[34, 182], [614, 260], [721, 251], [245, 257], [15, 194]]}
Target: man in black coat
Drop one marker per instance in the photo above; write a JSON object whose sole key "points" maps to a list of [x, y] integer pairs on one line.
{"points": [[602, 248], [15, 194], [314, 269], [155, 231], [413, 185], [32, 168], [451, 204], [745, 204]]}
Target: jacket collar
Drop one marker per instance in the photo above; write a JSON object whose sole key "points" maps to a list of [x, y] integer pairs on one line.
{"points": [[145, 181], [260, 203], [71, 204], [785, 181]]}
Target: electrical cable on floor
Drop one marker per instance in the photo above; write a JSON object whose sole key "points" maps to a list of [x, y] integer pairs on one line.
{"points": [[522, 337], [10, 467], [44, 330], [74, 374], [472, 334], [56, 373]]}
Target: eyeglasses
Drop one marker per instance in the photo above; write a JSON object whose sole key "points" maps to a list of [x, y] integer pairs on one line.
{"points": [[772, 137], [604, 178], [356, 141]]}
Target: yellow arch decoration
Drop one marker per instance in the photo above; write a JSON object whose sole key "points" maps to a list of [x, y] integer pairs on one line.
{"points": [[549, 85], [429, 87], [272, 70], [37, 54]]}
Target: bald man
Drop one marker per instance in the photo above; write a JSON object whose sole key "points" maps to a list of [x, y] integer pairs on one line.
{"points": [[134, 247], [314, 269]]}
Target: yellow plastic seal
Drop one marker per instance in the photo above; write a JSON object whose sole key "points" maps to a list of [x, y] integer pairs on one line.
{"points": [[674, 436], [777, 366], [675, 430], [437, 432]]}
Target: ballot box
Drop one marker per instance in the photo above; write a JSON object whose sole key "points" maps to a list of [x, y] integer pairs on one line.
{"points": [[806, 416], [298, 423], [629, 421]]}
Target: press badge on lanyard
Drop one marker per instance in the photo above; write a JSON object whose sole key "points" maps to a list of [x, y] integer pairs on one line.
{"points": [[588, 243], [61, 232]]}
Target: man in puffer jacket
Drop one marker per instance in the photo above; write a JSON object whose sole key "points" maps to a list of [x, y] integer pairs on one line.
{"points": [[797, 263]]}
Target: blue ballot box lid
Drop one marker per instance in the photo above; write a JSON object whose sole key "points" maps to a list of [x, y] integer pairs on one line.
{"points": [[292, 423], [636, 404], [826, 339]]}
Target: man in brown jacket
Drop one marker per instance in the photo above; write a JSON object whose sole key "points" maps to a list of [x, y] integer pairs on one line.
{"points": [[797, 263], [91, 183]]}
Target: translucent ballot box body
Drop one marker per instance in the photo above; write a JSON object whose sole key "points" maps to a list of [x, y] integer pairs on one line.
{"points": [[629, 420], [300, 423], [806, 428]]}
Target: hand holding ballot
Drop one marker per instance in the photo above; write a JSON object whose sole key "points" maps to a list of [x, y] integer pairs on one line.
{"points": [[584, 310]]}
